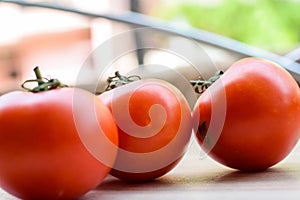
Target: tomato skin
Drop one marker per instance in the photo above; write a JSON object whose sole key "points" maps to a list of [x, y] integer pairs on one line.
{"points": [[41, 153], [168, 145], [262, 115]]}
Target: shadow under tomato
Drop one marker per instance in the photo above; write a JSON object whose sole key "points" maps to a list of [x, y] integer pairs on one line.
{"points": [[167, 182], [114, 184], [267, 178], [205, 180]]}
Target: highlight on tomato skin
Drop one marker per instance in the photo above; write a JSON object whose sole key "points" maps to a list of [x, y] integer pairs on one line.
{"points": [[259, 119], [154, 126], [42, 151]]}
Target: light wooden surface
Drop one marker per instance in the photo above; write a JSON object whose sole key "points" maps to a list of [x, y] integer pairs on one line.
{"points": [[202, 178]]}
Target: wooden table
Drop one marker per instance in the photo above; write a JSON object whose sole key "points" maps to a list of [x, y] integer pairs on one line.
{"points": [[202, 178]]}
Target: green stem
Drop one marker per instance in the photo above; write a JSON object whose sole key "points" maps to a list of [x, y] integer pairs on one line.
{"points": [[38, 75], [201, 85], [43, 84], [119, 80]]}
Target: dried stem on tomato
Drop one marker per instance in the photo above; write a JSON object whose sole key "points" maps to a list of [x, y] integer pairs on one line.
{"points": [[43, 83], [201, 85], [119, 80]]}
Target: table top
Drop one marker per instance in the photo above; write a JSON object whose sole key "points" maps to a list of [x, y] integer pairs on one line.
{"points": [[197, 177], [202, 178]]}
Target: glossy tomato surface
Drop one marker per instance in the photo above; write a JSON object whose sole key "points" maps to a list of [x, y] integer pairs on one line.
{"points": [[42, 152], [154, 125], [250, 118]]}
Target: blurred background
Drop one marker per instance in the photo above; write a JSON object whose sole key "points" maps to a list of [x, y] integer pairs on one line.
{"points": [[61, 42]]}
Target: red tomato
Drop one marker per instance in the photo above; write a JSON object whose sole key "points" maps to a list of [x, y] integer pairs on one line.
{"points": [[154, 124], [45, 141], [249, 118]]}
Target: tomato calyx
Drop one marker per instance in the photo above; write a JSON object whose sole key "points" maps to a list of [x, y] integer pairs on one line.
{"points": [[201, 85], [119, 80], [43, 83]]}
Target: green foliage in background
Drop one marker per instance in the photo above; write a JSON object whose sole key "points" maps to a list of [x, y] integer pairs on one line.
{"points": [[270, 24]]}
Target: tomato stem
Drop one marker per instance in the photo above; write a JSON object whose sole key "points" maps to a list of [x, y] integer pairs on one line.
{"points": [[43, 83], [201, 85], [38, 75], [119, 80]]}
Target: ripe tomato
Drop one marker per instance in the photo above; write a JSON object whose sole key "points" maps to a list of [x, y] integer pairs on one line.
{"points": [[249, 118], [154, 125], [45, 141]]}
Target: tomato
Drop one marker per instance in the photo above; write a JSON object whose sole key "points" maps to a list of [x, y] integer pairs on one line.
{"points": [[154, 126], [249, 118], [45, 141]]}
